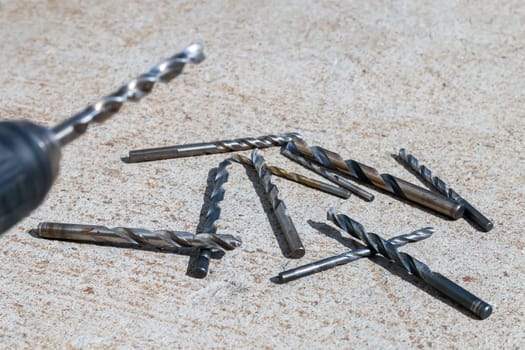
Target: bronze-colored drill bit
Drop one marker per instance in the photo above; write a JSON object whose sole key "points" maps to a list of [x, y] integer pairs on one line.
{"points": [[386, 182], [295, 246], [425, 174], [303, 180], [199, 266], [135, 237], [204, 148], [412, 265]]}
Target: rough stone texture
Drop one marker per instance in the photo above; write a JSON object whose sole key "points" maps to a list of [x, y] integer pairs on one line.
{"points": [[445, 80]]}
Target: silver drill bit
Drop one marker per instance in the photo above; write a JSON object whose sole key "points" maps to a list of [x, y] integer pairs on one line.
{"points": [[136, 237], [288, 151], [412, 265], [303, 180], [199, 267], [345, 258], [133, 91], [199, 149], [386, 182], [439, 185], [295, 246]]}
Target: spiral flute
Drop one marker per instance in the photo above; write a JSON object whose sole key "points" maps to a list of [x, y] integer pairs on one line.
{"points": [[295, 246], [199, 149], [300, 179], [133, 91], [136, 237], [289, 151], [345, 258], [412, 265], [386, 182], [199, 267], [439, 185]]}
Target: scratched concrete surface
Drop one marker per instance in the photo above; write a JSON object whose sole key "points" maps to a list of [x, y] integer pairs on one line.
{"points": [[445, 80]]}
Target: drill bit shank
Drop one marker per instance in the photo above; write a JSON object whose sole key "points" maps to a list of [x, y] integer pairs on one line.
{"points": [[199, 267], [412, 265], [386, 182], [199, 149], [425, 174], [136, 237], [134, 91], [303, 180], [295, 246], [345, 258]]}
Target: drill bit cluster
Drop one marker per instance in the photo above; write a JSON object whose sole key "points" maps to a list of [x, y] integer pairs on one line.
{"points": [[440, 199]]}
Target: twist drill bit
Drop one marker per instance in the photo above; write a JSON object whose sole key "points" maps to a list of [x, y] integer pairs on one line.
{"points": [[291, 153], [303, 180], [136, 237], [345, 258], [133, 91], [199, 267], [295, 246], [439, 185], [199, 149], [412, 265], [386, 182]]}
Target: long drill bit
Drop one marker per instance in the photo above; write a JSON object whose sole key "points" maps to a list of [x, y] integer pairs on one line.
{"points": [[412, 265], [288, 151], [133, 91], [303, 180], [295, 246], [136, 237], [345, 258], [386, 182], [199, 149], [425, 174], [199, 266]]}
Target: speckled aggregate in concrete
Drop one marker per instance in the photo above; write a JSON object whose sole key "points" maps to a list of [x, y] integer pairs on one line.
{"points": [[364, 78]]}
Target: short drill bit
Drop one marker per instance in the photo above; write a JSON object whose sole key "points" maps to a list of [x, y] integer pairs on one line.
{"points": [[345, 258], [133, 91], [199, 149], [288, 151], [199, 267], [303, 180], [439, 185], [412, 265], [295, 246], [386, 182], [136, 237]]}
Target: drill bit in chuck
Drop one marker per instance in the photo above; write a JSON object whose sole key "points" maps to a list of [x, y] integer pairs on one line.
{"points": [[199, 265], [295, 246], [303, 180], [386, 182], [345, 258], [133, 91], [199, 149], [135, 237], [439, 185], [412, 265]]}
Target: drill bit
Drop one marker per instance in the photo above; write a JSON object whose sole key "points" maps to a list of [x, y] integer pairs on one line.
{"points": [[425, 174], [133, 91], [386, 182], [303, 180], [295, 246], [199, 266], [290, 152], [412, 265], [345, 258], [135, 237], [199, 149]]}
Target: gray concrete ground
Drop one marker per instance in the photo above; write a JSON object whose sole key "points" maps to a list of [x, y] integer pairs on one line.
{"points": [[445, 80]]}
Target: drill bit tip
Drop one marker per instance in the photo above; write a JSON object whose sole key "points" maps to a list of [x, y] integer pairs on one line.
{"points": [[194, 53]]}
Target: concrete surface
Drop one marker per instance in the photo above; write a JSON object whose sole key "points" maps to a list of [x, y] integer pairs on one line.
{"points": [[443, 79]]}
